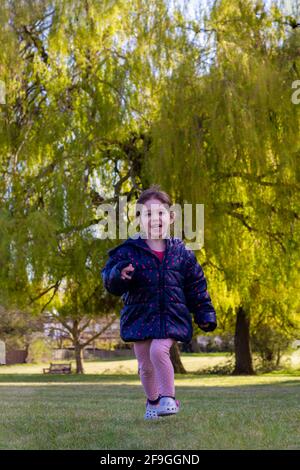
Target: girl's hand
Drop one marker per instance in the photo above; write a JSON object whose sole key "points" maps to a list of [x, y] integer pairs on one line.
{"points": [[125, 272]]}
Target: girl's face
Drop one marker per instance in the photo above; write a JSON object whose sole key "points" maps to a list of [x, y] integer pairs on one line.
{"points": [[155, 218]]}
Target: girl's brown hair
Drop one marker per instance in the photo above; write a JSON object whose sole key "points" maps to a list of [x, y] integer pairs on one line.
{"points": [[156, 193]]}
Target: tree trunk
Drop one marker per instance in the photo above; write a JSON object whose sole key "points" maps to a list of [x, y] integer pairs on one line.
{"points": [[176, 361], [79, 358], [243, 357], [278, 357]]}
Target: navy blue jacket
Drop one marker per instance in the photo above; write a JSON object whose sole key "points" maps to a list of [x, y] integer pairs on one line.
{"points": [[160, 296]]}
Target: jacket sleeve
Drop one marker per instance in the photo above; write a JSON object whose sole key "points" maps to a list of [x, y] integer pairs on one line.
{"points": [[111, 275], [197, 297]]}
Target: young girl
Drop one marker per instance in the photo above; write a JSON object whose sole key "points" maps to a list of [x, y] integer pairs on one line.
{"points": [[160, 282]]}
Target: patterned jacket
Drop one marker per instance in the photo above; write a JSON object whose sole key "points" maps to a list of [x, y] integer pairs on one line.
{"points": [[160, 296]]}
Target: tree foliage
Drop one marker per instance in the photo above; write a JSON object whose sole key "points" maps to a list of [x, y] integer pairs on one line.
{"points": [[104, 98]]}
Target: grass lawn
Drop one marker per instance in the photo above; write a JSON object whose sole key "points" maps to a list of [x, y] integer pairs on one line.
{"points": [[104, 410]]}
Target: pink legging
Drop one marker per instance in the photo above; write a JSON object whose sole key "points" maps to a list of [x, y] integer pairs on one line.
{"points": [[155, 366]]}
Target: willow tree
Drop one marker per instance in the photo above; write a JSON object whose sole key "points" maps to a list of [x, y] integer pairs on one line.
{"points": [[83, 82], [228, 137]]}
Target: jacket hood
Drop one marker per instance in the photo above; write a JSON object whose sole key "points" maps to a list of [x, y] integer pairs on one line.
{"points": [[137, 240]]}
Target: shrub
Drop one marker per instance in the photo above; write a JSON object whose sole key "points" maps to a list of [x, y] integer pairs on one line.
{"points": [[270, 343], [39, 351]]}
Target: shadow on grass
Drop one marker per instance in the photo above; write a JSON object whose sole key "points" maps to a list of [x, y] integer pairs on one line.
{"points": [[70, 378], [182, 381]]}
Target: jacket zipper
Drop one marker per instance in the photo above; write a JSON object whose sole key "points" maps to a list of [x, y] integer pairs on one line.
{"points": [[161, 275]]}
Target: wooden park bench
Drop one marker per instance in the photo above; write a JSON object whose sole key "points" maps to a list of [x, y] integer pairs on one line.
{"points": [[58, 369]]}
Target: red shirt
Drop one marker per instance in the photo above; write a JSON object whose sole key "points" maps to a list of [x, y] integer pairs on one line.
{"points": [[160, 254]]}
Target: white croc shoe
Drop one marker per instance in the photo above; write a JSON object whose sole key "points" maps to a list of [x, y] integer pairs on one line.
{"points": [[151, 411], [168, 406]]}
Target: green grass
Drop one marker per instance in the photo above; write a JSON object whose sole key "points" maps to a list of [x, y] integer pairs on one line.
{"points": [[103, 410]]}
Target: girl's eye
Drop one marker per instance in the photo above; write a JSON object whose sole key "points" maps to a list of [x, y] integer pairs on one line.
{"points": [[148, 214]]}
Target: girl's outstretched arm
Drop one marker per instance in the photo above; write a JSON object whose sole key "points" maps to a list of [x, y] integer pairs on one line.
{"points": [[197, 297], [111, 275]]}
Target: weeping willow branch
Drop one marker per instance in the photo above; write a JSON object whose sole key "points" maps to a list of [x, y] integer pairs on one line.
{"points": [[271, 235], [54, 286]]}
